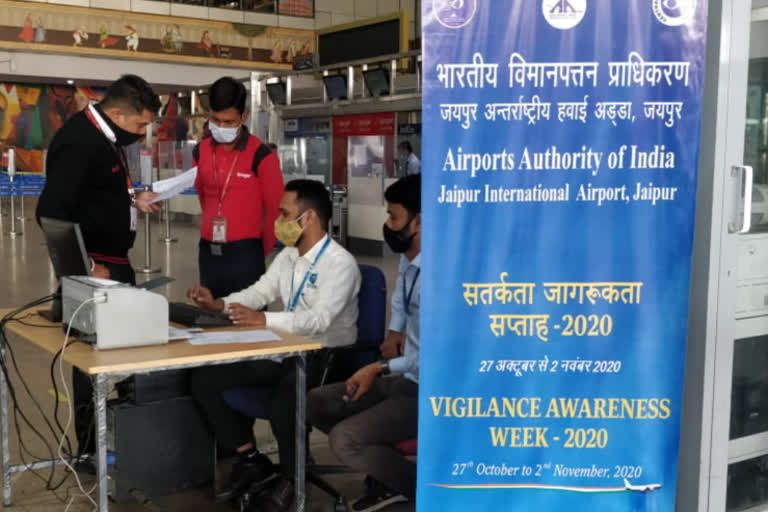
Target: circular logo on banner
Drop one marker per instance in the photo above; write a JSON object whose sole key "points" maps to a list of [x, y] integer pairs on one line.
{"points": [[455, 13], [674, 12], [564, 14]]}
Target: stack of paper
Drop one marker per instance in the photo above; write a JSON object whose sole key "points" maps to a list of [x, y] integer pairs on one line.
{"points": [[181, 334], [227, 337]]}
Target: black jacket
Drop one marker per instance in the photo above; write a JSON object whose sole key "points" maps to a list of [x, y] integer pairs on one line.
{"points": [[86, 183]]}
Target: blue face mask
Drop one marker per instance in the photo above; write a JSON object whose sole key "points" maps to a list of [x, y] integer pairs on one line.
{"points": [[223, 135]]}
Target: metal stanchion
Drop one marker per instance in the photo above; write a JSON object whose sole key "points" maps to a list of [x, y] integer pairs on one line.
{"points": [[148, 269], [13, 233], [168, 239], [22, 217]]}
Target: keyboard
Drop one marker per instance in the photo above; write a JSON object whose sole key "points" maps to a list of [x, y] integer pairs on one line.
{"points": [[192, 316]]}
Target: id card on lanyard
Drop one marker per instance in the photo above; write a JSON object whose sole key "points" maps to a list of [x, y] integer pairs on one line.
{"points": [[123, 166], [220, 222], [295, 298]]}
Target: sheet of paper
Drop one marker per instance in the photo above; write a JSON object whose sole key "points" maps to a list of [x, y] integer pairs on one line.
{"points": [[181, 334], [171, 187], [224, 338]]}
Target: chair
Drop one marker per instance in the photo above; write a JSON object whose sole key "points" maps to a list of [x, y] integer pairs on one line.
{"points": [[254, 402]]}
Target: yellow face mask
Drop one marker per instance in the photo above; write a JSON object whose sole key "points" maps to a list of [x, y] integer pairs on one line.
{"points": [[288, 232]]}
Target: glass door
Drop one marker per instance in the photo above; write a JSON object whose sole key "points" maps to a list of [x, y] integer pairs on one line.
{"points": [[747, 476]]}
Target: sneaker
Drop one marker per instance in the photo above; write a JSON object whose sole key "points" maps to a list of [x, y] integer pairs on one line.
{"points": [[247, 471], [377, 497]]}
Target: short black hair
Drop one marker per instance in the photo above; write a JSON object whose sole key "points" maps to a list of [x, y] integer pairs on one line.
{"points": [[227, 93], [272, 146], [312, 195], [406, 145], [406, 192], [131, 92]]}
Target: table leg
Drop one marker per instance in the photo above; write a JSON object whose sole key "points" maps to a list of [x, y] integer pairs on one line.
{"points": [[5, 440], [301, 431], [100, 409]]}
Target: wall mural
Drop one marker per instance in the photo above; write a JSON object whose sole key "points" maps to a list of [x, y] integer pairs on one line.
{"points": [[31, 114], [142, 36]]}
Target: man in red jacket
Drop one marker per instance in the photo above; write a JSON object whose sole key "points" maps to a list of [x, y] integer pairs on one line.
{"points": [[240, 185]]}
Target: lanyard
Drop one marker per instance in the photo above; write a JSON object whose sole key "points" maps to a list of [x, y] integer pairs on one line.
{"points": [[408, 295], [295, 298], [118, 151], [223, 190]]}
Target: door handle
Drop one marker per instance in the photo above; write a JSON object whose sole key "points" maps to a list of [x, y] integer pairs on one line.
{"points": [[741, 220]]}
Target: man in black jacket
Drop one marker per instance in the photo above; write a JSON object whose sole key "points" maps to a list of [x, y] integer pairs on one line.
{"points": [[88, 182]]}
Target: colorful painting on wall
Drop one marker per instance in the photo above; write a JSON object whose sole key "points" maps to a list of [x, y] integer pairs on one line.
{"points": [[31, 114], [93, 32], [303, 8]]}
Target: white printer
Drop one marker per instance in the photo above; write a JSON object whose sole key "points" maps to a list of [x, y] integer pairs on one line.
{"points": [[120, 315]]}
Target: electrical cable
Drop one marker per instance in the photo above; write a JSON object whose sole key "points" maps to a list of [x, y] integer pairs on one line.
{"points": [[56, 399], [12, 391], [70, 410], [17, 411]]}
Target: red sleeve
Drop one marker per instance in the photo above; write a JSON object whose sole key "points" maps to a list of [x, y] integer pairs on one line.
{"points": [[196, 159], [271, 179]]}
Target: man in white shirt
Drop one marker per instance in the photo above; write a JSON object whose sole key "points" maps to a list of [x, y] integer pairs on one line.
{"points": [[412, 164], [318, 282]]}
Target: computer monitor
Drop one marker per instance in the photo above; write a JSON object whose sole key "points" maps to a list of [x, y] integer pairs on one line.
{"points": [[68, 255], [377, 81], [277, 93], [336, 86], [65, 247]]}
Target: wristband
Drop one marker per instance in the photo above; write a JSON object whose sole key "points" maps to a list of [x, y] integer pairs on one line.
{"points": [[384, 367]]}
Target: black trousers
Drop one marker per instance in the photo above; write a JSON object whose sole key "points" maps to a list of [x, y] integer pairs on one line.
{"points": [[232, 429], [82, 386], [240, 265]]}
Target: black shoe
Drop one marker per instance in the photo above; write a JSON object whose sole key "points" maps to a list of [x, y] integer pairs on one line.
{"points": [[376, 497], [276, 498], [247, 471]]}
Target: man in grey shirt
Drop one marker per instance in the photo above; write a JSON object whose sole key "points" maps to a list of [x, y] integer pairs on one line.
{"points": [[366, 416]]}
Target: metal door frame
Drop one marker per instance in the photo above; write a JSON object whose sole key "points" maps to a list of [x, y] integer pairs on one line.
{"points": [[704, 446]]}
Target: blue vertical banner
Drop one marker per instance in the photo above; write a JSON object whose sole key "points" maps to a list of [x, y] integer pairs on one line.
{"points": [[560, 154]]}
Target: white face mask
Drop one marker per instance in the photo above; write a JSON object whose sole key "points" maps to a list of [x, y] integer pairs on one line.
{"points": [[223, 135]]}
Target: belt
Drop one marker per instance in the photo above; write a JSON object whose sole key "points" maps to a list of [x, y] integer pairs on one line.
{"points": [[114, 260]]}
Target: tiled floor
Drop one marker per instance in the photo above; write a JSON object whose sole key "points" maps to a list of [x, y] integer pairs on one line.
{"points": [[26, 274]]}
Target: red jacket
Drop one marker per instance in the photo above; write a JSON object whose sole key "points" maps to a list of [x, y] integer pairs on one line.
{"points": [[252, 200]]}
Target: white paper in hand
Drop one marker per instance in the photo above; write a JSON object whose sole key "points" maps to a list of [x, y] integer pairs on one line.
{"points": [[166, 189]]}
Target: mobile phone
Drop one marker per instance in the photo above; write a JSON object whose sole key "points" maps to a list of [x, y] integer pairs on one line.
{"points": [[348, 396]]}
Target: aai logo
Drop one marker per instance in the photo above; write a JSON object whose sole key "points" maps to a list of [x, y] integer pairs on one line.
{"points": [[564, 14], [674, 13], [454, 13]]}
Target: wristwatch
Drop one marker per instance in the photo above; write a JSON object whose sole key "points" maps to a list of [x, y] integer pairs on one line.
{"points": [[384, 367]]}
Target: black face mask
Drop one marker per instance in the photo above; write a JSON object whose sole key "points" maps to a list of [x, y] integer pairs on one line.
{"points": [[399, 241], [122, 137]]}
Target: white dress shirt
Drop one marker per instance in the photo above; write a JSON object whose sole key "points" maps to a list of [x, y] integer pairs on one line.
{"points": [[327, 307], [413, 165]]}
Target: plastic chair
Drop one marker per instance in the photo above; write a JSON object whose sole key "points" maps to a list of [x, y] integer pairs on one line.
{"points": [[255, 402]]}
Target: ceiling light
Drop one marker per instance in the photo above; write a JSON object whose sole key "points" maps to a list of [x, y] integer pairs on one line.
{"points": [[70, 82]]}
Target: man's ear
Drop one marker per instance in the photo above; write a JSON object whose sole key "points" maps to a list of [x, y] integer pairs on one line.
{"points": [[416, 225]]}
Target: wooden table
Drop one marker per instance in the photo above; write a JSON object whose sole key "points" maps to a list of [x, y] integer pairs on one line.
{"points": [[123, 362]]}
